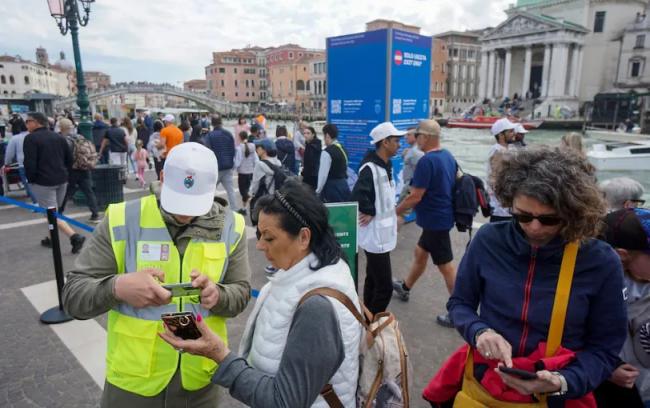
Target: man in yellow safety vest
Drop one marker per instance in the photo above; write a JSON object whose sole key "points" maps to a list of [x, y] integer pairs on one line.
{"points": [[181, 233]]}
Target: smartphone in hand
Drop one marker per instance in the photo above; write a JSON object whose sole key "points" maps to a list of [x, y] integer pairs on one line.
{"points": [[182, 324], [182, 289], [519, 373]]}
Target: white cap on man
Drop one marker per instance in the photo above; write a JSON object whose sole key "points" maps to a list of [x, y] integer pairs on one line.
{"points": [[520, 129], [501, 125], [168, 118], [383, 131], [189, 180]]}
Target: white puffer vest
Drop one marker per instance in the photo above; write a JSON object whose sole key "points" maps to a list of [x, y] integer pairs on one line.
{"points": [[380, 235], [267, 328]]}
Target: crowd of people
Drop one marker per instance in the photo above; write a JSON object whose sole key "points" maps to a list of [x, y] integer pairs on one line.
{"points": [[556, 284]]}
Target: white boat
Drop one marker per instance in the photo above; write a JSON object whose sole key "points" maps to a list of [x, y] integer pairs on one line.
{"points": [[614, 136], [633, 155]]}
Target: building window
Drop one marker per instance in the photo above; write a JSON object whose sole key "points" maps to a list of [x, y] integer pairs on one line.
{"points": [[12, 80], [223, 94], [3, 80], [236, 84], [455, 53], [253, 93], [599, 22], [640, 41], [235, 69], [236, 93], [291, 55], [222, 70], [222, 83], [635, 71], [253, 83]]}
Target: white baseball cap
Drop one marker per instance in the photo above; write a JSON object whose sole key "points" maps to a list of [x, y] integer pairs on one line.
{"points": [[384, 130], [168, 118], [189, 180], [520, 128], [501, 125]]}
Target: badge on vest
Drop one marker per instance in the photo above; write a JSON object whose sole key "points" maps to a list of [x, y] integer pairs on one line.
{"points": [[153, 252]]}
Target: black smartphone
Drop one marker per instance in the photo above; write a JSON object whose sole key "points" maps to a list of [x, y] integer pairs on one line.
{"points": [[521, 374], [183, 324], [182, 289]]}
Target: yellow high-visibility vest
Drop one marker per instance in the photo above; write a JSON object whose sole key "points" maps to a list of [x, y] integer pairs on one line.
{"points": [[137, 360]]}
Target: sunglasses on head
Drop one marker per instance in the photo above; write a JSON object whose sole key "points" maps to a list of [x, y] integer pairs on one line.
{"points": [[639, 203], [543, 219]]}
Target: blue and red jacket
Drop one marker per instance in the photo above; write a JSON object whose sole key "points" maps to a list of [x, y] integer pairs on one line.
{"points": [[514, 285]]}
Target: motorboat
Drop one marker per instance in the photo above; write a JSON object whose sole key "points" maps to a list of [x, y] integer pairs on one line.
{"points": [[632, 155], [614, 136], [486, 122]]}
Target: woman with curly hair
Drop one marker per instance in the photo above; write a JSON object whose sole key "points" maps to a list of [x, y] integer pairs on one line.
{"points": [[511, 272]]}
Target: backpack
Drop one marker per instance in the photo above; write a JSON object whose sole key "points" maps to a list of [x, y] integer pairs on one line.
{"points": [[468, 196], [84, 154], [384, 365], [280, 174]]}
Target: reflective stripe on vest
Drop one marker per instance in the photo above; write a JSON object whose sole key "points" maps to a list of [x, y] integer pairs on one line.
{"points": [[137, 360]]}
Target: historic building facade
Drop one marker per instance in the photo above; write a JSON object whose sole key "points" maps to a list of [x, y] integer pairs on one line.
{"points": [[562, 51]]}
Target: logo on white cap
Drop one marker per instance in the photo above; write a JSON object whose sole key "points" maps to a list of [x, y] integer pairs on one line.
{"points": [[189, 181]]}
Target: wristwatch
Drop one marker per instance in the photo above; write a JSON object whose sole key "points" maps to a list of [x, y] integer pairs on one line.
{"points": [[564, 388]]}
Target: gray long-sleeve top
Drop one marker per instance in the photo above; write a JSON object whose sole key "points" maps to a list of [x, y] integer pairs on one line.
{"points": [[312, 354], [88, 291], [14, 151]]}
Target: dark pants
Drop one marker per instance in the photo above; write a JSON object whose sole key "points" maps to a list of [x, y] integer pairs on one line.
{"points": [[81, 179], [244, 184], [335, 191], [159, 164], [378, 287]]}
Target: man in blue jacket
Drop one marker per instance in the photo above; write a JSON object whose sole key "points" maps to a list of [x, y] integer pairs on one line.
{"points": [[222, 143]]}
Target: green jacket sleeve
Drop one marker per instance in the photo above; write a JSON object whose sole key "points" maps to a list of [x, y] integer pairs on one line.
{"points": [[88, 291], [235, 288]]}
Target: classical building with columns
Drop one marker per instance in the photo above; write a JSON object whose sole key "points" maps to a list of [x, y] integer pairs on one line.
{"points": [[562, 51], [533, 55]]}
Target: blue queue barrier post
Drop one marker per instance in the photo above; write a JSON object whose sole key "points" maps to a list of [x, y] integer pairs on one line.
{"points": [[55, 314]]}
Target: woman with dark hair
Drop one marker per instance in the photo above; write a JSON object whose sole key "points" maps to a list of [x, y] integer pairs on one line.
{"points": [[291, 349], [246, 158], [311, 159], [286, 152], [143, 131], [186, 128], [549, 292]]}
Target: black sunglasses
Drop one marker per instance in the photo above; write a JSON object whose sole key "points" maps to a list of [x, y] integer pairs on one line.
{"points": [[543, 219], [639, 203]]}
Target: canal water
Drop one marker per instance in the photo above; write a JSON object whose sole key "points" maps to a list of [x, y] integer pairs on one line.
{"points": [[471, 146]]}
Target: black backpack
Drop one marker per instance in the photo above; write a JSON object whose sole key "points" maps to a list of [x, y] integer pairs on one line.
{"points": [[469, 196], [280, 174]]}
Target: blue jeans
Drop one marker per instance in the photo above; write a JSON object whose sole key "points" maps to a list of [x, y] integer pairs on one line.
{"points": [[23, 179]]}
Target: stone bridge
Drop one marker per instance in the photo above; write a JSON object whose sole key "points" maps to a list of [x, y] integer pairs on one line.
{"points": [[204, 101]]}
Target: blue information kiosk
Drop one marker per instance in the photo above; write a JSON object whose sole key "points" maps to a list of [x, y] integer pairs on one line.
{"points": [[373, 77]]}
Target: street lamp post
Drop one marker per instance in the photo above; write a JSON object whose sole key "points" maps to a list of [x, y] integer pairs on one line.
{"points": [[69, 15]]}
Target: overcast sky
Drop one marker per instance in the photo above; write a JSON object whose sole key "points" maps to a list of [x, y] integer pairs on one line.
{"points": [[172, 40]]}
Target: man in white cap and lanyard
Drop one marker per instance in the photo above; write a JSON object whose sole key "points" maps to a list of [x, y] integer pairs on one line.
{"points": [[180, 233], [375, 193], [503, 132]]}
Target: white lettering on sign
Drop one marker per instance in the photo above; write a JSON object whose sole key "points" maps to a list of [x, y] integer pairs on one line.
{"points": [[413, 59]]}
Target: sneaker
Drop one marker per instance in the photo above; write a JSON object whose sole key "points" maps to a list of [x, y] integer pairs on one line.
{"points": [[270, 269], [399, 291], [46, 242], [242, 211], [94, 218], [445, 321], [77, 241]]}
